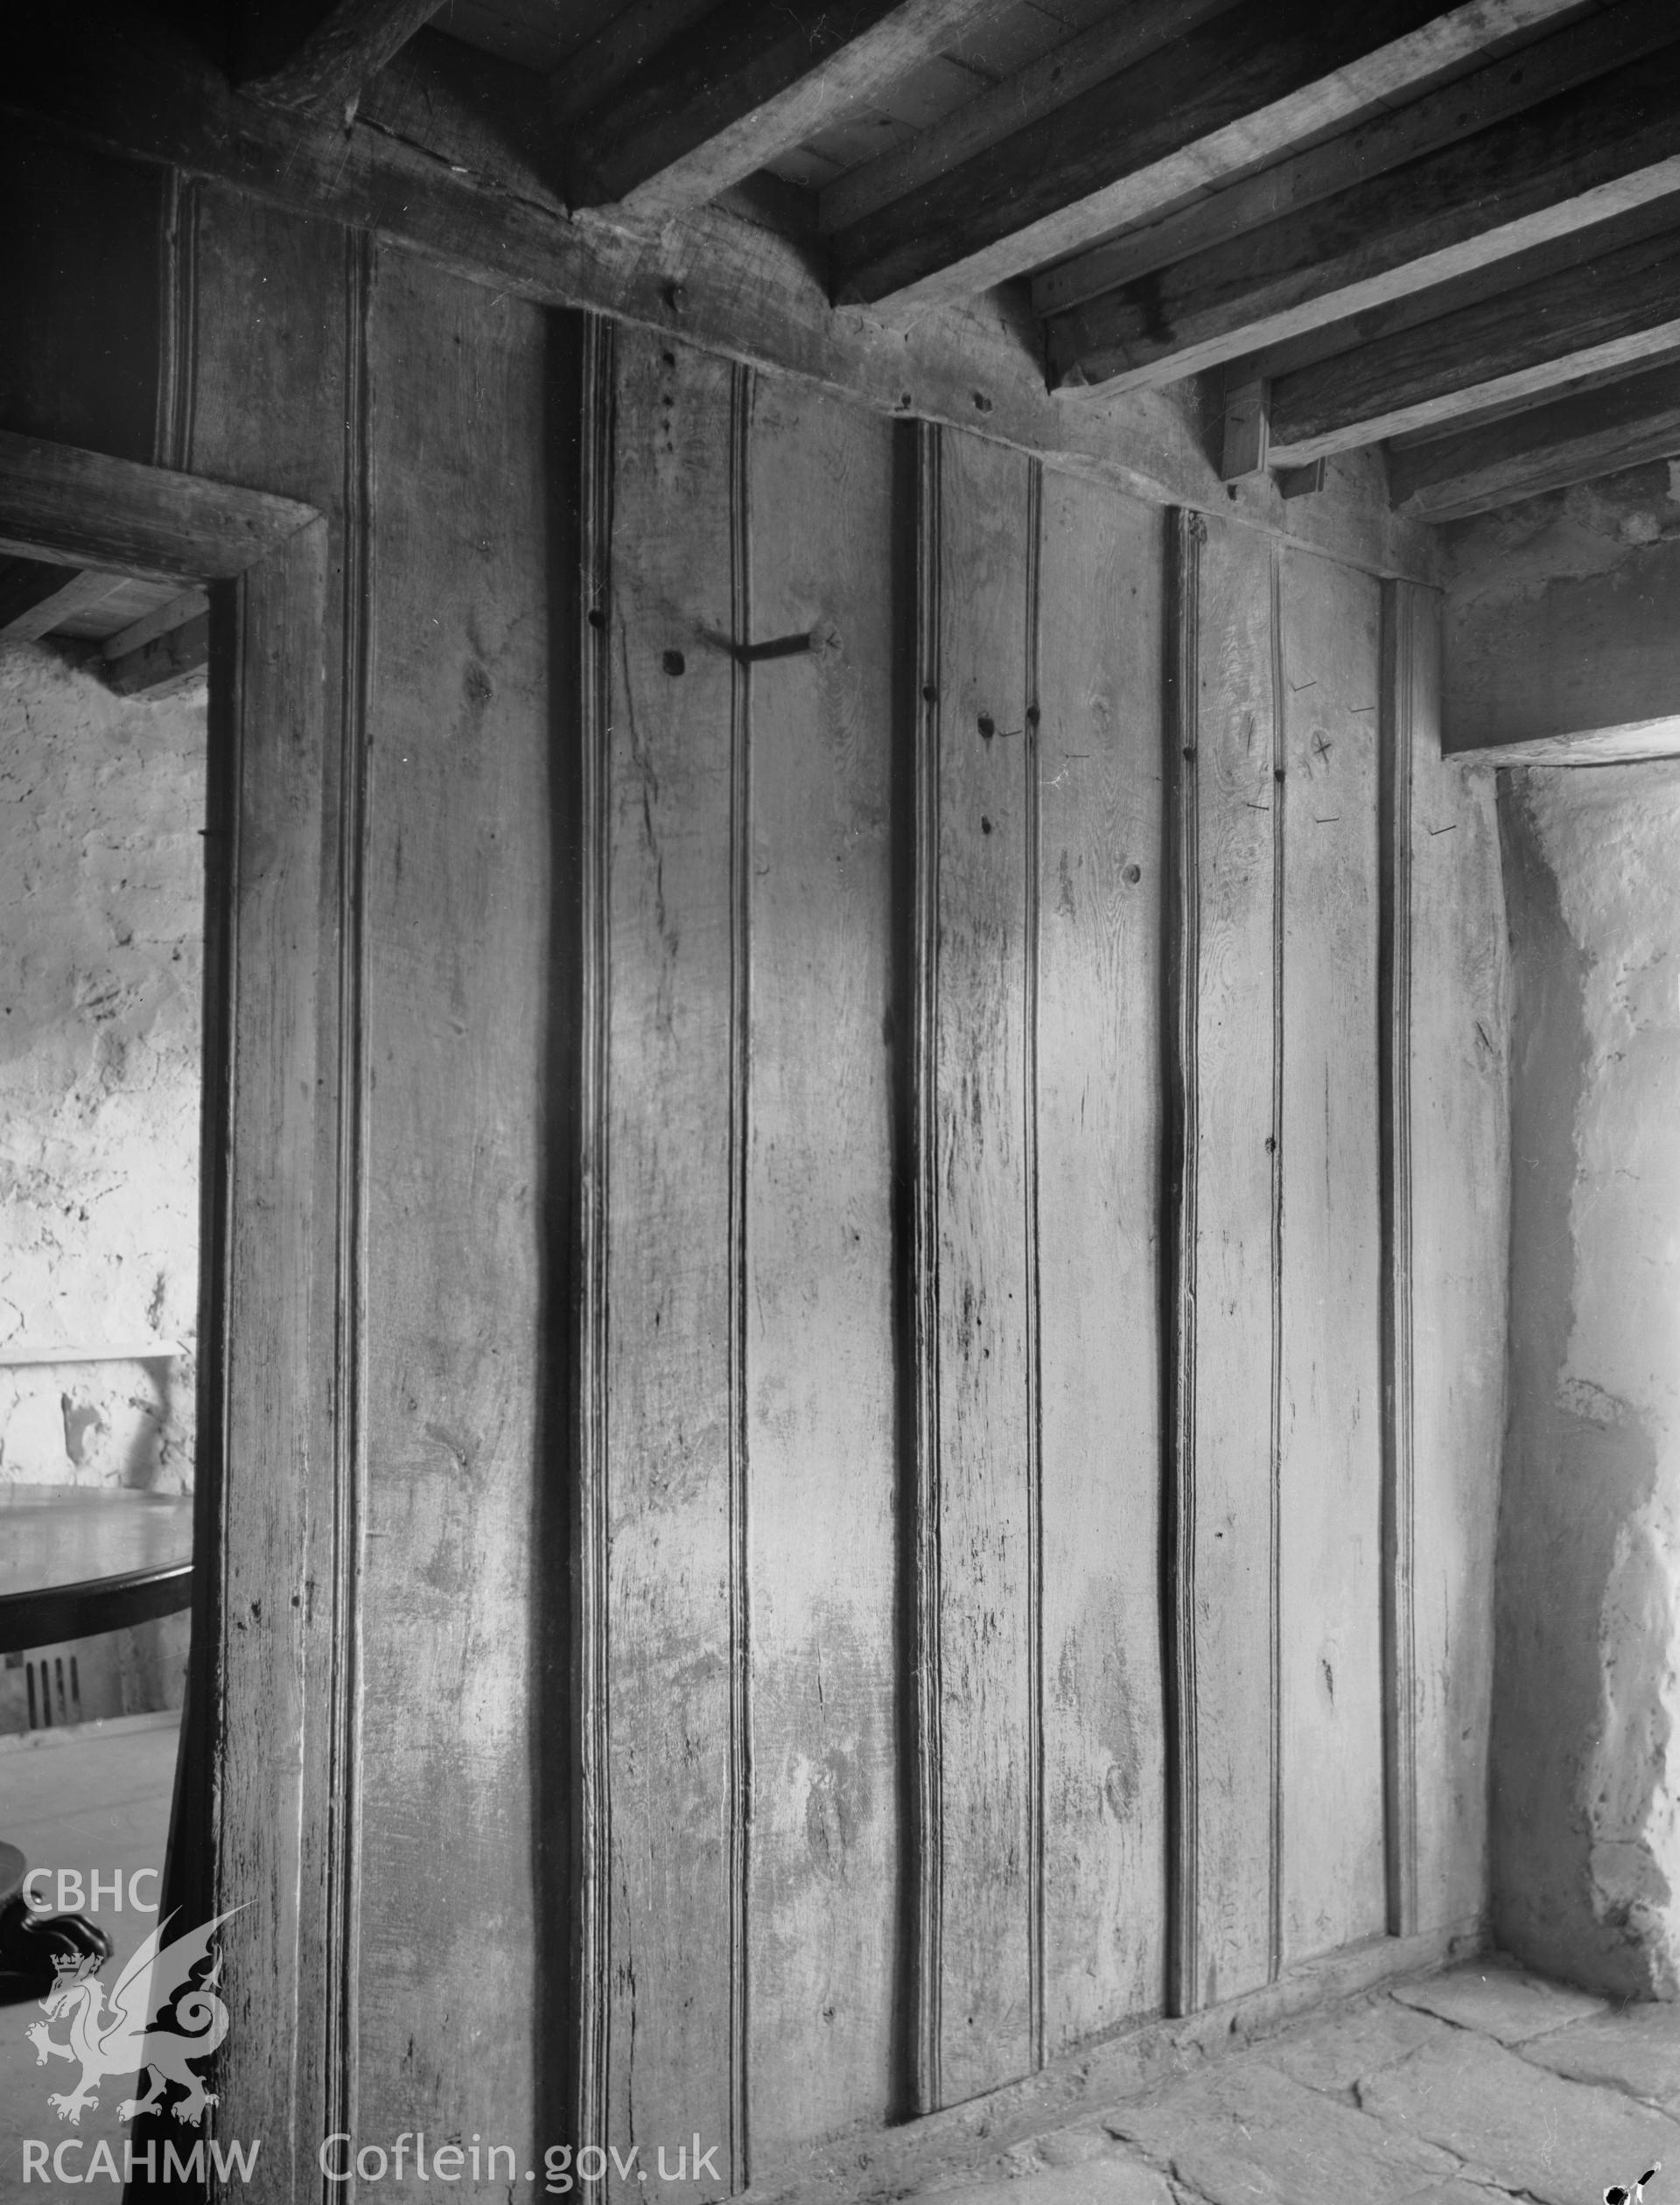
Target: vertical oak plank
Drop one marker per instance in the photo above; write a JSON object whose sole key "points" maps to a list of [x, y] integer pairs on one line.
{"points": [[1098, 1053], [1460, 1129], [459, 901], [673, 1441], [981, 529], [821, 1437], [1225, 1145], [267, 406], [1330, 1467]]}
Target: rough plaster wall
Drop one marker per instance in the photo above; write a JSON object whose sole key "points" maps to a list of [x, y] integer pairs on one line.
{"points": [[1586, 1756], [102, 872]]}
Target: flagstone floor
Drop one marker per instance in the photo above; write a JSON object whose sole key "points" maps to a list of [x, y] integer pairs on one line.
{"points": [[94, 1797], [1476, 2087], [1479, 2086]]}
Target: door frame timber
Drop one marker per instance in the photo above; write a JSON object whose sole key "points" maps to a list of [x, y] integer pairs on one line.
{"points": [[253, 1827]]}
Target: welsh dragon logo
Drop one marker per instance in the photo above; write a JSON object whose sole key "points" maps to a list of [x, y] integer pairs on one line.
{"points": [[126, 2040]]}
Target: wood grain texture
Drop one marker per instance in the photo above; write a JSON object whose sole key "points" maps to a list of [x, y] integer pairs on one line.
{"points": [[737, 89], [1509, 86], [161, 525], [73, 593], [1330, 1434], [1575, 160], [1099, 1131], [458, 900], [986, 1620], [167, 662], [672, 1268], [261, 1262], [1459, 1122], [716, 281], [301, 54], [274, 404], [1545, 447], [1398, 715], [823, 1958], [1249, 86], [1020, 97], [1611, 308], [1226, 1143]]}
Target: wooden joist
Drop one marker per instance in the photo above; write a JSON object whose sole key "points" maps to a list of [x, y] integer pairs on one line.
{"points": [[1253, 86], [1614, 308], [1088, 58], [1579, 160], [1509, 86], [26, 583], [1574, 440], [168, 662], [625, 42], [190, 606], [450, 186], [300, 54], [743, 84], [71, 591]]}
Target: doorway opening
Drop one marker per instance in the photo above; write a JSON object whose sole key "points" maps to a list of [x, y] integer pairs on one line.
{"points": [[103, 739]]}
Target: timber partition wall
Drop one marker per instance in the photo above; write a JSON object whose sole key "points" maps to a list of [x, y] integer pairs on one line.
{"points": [[1045, 993], [910, 1396]]}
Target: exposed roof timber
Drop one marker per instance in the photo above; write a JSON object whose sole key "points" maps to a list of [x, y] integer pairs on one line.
{"points": [[24, 584], [1117, 42], [1549, 447], [1510, 86], [1613, 310], [176, 613], [317, 59], [625, 42], [167, 662], [448, 189], [1583, 158], [747, 83], [1253, 86], [76, 591]]}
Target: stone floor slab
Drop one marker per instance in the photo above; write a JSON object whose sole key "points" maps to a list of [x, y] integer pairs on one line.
{"points": [[1334, 2051], [1499, 1999], [1244, 2133], [1517, 2124], [1637, 2049]]}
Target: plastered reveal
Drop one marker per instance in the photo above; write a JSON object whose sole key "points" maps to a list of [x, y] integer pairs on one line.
{"points": [[102, 801], [1586, 1752]]}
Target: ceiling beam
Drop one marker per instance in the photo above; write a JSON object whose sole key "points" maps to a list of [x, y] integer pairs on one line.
{"points": [[449, 184], [1253, 86], [625, 42], [179, 610], [1510, 86], [1583, 157], [1117, 42], [749, 81], [74, 593], [300, 54], [168, 662], [24, 584], [1612, 309], [1591, 433]]}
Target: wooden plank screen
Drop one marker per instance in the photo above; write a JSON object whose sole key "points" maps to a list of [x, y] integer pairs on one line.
{"points": [[823, 1898], [1225, 1081], [1329, 1462], [1278, 1362]]}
